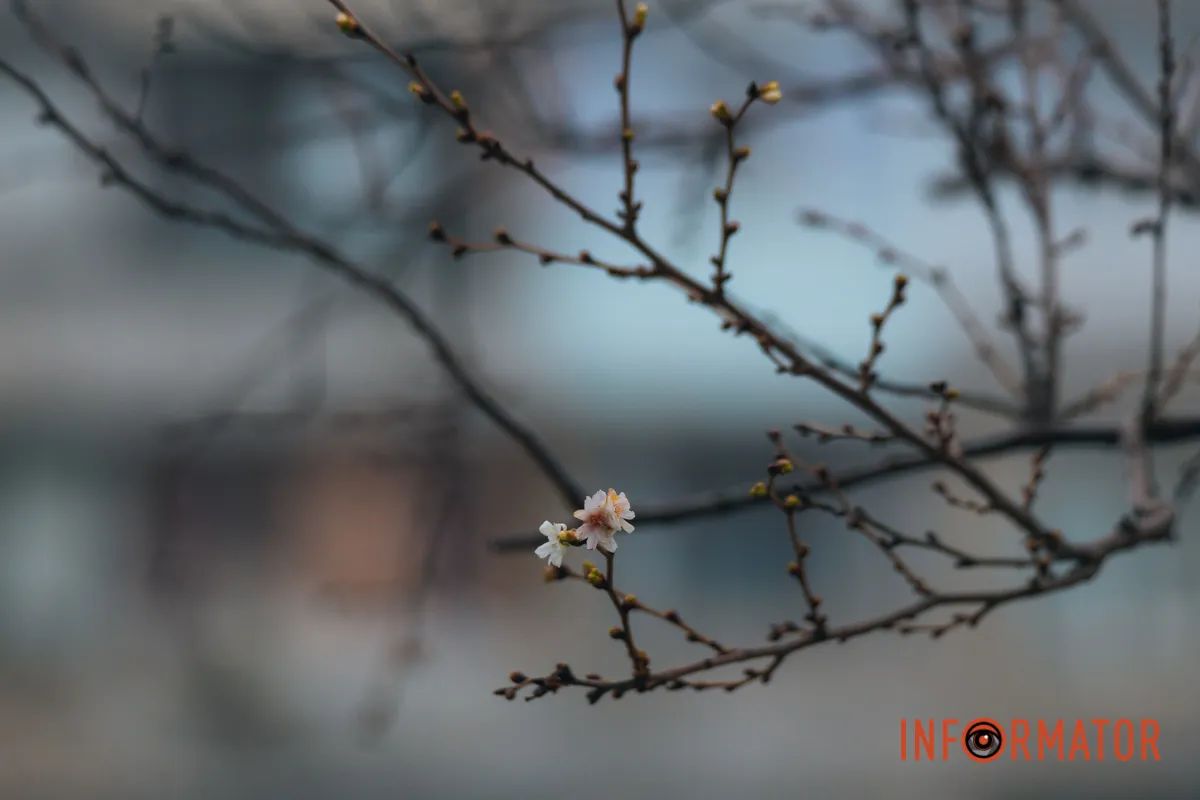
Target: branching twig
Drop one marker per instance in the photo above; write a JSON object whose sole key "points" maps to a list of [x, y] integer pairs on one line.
{"points": [[937, 277], [736, 499]]}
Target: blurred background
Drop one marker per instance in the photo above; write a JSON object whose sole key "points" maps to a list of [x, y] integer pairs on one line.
{"points": [[244, 516]]}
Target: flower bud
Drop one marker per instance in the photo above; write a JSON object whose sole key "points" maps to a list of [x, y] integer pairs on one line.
{"points": [[639, 16], [348, 24], [791, 501], [458, 101], [769, 93], [422, 94], [720, 112], [758, 490]]}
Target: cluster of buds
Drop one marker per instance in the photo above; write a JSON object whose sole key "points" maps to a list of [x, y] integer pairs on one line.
{"points": [[780, 466], [768, 93], [866, 368], [593, 575], [603, 516], [940, 421]]}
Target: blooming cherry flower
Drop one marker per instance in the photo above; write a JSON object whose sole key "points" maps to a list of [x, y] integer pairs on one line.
{"points": [[556, 543], [621, 511], [597, 529], [602, 515]]}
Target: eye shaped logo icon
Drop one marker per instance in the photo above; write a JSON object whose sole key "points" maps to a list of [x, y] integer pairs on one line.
{"points": [[983, 740]]}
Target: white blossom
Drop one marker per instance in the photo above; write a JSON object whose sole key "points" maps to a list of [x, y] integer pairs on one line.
{"points": [[555, 547]]}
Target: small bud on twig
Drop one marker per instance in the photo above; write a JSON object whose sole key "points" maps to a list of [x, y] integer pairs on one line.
{"points": [[420, 91], [348, 24], [639, 18], [781, 466], [720, 112], [769, 93]]}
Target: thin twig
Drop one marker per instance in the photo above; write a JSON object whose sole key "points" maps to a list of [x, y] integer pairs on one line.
{"points": [[1158, 228], [936, 276]]}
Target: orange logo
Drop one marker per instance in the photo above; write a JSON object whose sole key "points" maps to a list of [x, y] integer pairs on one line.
{"points": [[984, 739]]}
